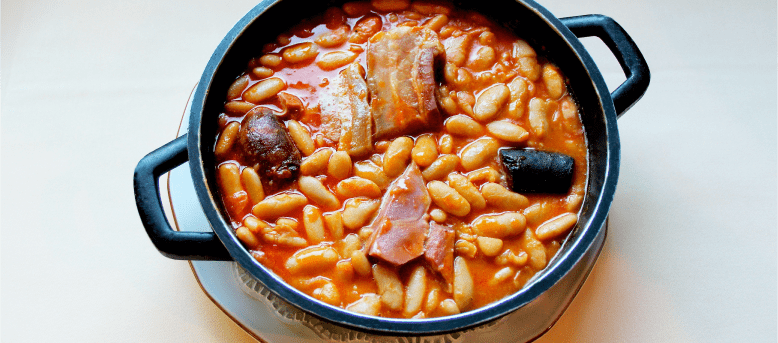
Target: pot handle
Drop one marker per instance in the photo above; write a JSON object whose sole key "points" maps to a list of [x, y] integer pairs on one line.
{"points": [[623, 48], [173, 244]]}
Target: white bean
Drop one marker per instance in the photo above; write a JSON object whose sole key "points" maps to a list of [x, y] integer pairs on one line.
{"points": [[356, 187], [478, 153], [253, 185], [227, 138], [508, 257], [339, 165], [486, 38], [389, 286], [301, 137], [484, 58], [444, 165], [464, 187], [489, 246], [446, 144], [328, 293], [499, 225], [237, 87], [573, 202], [462, 125], [350, 243], [569, 109], [238, 107], [397, 155], [425, 151], [334, 223], [463, 283], [262, 72], [255, 225], [365, 233], [417, 287], [500, 197], [522, 49], [300, 52], [312, 259], [247, 237], [529, 68], [315, 163], [317, 192], [270, 60], [553, 81], [433, 300], [358, 211], [313, 224], [491, 101], [465, 248], [449, 307], [501, 275], [263, 90], [333, 38], [360, 262], [536, 213], [437, 22], [556, 226], [538, 117], [450, 73], [448, 199], [488, 174], [507, 131], [519, 94], [278, 205], [372, 172], [438, 215], [369, 304], [336, 59], [465, 99], [535, 250]]}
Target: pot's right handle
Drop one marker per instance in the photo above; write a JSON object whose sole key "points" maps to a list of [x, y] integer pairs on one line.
{"points": [[625, 51], [179, 245]]}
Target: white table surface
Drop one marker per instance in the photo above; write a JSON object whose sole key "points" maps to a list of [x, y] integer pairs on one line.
{"points": [[89, 87]]}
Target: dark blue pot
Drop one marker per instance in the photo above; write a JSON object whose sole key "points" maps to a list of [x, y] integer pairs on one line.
{"points": [[545, 297]]}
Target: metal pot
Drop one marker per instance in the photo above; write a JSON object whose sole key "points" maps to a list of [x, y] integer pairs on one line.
{"points": [[546, 296]]}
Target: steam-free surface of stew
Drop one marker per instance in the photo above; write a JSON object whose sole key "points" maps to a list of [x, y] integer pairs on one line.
{"points": [[358, 158]]}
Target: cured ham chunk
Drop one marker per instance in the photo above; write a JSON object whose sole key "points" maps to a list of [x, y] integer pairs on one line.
{"points": [[439, 250], [345, 113], [401, 66], [399, 229]]}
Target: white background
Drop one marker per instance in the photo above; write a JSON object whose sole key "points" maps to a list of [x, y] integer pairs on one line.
{"points": [[89, 87]]}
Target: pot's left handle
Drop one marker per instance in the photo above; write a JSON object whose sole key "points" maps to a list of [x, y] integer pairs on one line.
{"points": [[179, 245]]}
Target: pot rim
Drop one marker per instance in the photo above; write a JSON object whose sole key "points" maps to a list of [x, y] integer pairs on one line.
{"points": [[557, 268]]}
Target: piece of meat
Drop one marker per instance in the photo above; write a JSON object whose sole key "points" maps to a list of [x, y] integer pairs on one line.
{"points": [[266, 143], [400, 227], [401, 66], [439, 250], [458, 49], [535, 171], [345, 113], [291, 104]]}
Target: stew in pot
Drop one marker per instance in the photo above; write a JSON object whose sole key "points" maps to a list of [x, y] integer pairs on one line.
{"points": [[383, 157]]}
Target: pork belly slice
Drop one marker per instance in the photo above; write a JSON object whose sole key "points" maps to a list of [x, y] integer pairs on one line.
{"points": [[439, 250], [401, 65], [400, 227], [345, 113]]}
